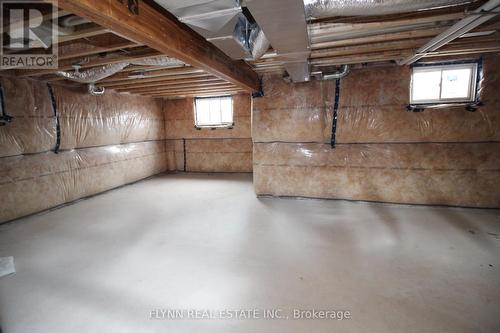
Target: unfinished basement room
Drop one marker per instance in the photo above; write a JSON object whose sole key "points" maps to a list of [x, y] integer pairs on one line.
{"points": [[250, 166]]}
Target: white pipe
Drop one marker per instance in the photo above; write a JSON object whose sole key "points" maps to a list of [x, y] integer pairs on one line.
{"points": [[96, 91], [343, 72], [478, 17]]}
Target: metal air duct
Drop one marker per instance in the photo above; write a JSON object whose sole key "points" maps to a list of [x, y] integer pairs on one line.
{"points": [[221, 22], [284, 23], [94, 74]]}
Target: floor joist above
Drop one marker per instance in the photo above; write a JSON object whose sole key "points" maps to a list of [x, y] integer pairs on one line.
{"points": [[156, 28]]}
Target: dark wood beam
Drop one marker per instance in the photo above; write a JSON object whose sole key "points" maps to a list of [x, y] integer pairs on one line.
{"points": [[163, 32]]}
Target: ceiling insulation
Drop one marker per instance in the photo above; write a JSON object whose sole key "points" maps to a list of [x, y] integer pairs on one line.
{"points": [[329, 8]]}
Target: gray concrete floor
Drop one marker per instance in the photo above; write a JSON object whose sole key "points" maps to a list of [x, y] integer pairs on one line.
{"points": [[207, 243]]}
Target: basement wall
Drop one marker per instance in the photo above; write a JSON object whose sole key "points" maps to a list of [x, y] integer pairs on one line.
{"points": [[105, 142], [445, 156], [206, 150]]}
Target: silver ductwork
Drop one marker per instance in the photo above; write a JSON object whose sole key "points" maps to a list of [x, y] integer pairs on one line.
{"points": [[235, 44], [330, 8], [94, 74], [98, 73], [284, 24], [222, 23], [259, 43], [73, 21], [163, 61]]}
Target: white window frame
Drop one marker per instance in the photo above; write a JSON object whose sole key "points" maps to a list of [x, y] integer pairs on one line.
{"points": [[471, 96], [221, 125]]}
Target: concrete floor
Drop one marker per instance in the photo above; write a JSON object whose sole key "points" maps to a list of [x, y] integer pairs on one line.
{"points": [[206, 243]]}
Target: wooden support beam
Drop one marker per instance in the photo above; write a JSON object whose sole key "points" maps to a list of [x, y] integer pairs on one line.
{"points": [[191, 86], [156, 80], [369, 48], [379, 38], [329, 29], [159, 30], [169, 83], [218, 86], [191, 90], [209, 94], [199, 94], [396, 36]]}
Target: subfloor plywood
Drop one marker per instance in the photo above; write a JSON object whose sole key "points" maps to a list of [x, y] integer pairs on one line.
{"points": [[206, 242]]}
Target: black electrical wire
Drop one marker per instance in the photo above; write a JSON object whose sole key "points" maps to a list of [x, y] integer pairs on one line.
{"points": [[335, 113], [56, 116], [4, 118], [184, 153]]}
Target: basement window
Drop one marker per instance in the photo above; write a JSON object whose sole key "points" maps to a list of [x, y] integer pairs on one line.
{"points": [[213, 112], [444, 84]]}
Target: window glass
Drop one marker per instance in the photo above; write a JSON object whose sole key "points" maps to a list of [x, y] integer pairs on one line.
{"points": [[214, 111], [426, 85], [456, 83], [443, 84]]}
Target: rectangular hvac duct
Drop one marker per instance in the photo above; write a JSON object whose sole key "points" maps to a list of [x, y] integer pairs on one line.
{"points": [[285, 26], [216, 20]]}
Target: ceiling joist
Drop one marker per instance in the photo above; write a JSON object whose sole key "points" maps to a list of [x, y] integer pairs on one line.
{"points": [[169, 83], [161, 31], [220, 84], [94, 45]]}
